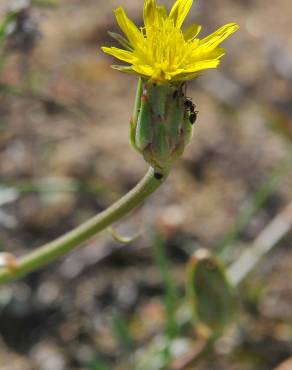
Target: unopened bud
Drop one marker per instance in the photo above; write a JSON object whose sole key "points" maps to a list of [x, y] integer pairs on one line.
{"points": [[164, 123]]}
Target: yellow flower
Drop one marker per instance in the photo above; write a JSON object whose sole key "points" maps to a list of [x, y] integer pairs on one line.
{"points": [[160, 50]]}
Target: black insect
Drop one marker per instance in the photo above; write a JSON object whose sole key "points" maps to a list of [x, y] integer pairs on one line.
{"points": [[191, 107], [158, 175], [193, 117]]}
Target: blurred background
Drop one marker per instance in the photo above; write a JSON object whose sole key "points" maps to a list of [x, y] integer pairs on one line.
{"points": [[64, 156]]}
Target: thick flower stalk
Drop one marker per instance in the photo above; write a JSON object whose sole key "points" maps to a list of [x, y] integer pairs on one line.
{"points": [[165, 56]]}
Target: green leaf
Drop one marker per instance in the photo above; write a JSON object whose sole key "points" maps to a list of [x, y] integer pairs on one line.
{"points": [[45, 3], [171, 298], [97, 365], [123, 334], [8, 19]]}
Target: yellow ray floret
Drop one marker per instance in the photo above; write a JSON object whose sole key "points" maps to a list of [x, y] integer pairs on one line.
{"points": [[161, 50]]}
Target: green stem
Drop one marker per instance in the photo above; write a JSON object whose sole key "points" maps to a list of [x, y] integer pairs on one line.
{"points": [[64, 244]]}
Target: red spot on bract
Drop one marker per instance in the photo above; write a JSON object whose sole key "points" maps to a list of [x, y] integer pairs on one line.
{"points": [[144, 98]]}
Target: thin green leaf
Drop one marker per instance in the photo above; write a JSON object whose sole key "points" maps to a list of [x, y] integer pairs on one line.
{"points": [[45, 3], [123, 334], [97, 365], [171, 298]]}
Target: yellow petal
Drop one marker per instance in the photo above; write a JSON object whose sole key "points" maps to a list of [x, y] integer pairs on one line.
{"points": [[204, 64], [123, 55], [192, 31], [179, 11], [149, 12], [153, 14], [128, 27], [161, 11], [144, 70], [213, 40], [202, 53], [216, 53], [178, 71], [186, 76]]}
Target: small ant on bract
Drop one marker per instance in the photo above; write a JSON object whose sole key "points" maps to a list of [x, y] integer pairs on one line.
{"points": [[193, 117], [191, 107]]}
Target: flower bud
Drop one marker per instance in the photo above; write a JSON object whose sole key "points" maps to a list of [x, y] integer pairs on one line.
{"points": [[164, 123], [211, 296]]}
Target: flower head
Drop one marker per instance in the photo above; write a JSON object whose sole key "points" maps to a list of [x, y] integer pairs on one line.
{"points": [[161, 50]]}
